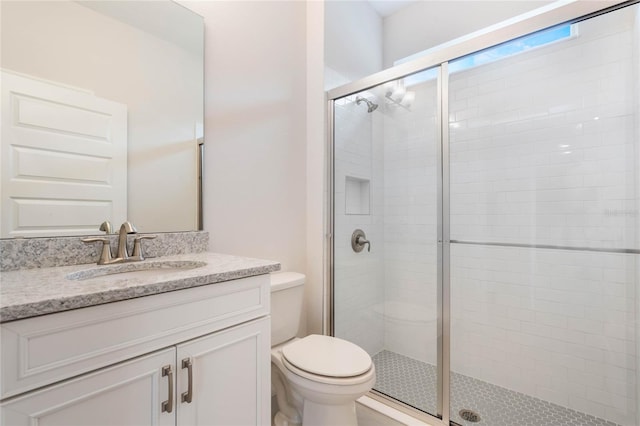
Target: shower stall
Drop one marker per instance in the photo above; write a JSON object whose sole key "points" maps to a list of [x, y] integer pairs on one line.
{"points": [[485, 222]]}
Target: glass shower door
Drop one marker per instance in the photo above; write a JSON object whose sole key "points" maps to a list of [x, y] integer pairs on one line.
{"points": [[386, 168], [544, 227]]}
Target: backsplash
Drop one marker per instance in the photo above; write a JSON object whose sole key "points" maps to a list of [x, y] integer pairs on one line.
{"points": [[28, 253]]}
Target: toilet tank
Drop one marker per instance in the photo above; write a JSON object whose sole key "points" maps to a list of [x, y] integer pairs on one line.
{"points": [[287, 297]]}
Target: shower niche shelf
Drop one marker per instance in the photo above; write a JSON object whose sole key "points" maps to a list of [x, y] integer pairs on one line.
{"points": [[357, 195]]}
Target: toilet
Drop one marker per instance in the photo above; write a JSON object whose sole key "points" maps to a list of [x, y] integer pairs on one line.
{"points": [[317, 379]]}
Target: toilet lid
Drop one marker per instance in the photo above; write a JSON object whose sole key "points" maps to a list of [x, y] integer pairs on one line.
{"points": [[327, 356]]}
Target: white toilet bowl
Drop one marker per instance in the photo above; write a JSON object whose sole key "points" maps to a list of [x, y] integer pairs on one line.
{"points": [[341, 372], [317, 379]]}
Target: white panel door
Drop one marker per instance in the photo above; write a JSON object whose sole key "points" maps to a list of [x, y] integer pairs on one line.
{"points": [[63, 159], [231, 373], [129, 393]]}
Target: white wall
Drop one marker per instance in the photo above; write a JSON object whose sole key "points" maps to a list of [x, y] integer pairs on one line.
{"points": [[316, 169], [255, 114], [426, 24], [353, 42]]}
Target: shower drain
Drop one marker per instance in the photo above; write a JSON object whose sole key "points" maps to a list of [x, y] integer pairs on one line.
{"points": [[469, 415]]}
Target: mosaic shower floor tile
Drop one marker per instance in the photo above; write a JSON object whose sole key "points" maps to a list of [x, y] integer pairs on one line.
{"points": [[414, 382]]}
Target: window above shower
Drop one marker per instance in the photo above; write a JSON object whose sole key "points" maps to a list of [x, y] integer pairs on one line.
{"points": [[520, 45]]}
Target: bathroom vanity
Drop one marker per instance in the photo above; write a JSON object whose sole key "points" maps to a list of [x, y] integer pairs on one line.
{"points": [[80, 348]]}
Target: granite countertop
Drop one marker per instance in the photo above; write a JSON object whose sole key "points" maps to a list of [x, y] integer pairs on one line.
{"points": [[31, 292]]}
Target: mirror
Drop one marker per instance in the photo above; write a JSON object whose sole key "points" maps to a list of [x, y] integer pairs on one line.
{"points": [[102, 116]]}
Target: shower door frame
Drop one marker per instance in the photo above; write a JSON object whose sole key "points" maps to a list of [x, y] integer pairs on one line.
{"points": [[568, 11]]}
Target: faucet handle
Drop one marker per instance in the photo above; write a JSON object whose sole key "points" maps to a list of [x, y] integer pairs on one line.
{"points": [[137, 246], [359, 240], [105, 255]]}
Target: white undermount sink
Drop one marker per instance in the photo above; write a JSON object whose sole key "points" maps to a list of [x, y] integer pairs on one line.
{"points": [[136, 269]]}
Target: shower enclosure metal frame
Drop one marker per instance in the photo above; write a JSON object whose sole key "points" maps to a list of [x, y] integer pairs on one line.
{"points": [[569, 11]]}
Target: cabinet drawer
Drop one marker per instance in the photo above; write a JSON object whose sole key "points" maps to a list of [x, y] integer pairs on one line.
{"points": [[43, 350]]}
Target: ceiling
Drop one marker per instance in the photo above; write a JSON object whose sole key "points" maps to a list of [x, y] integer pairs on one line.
{"points": [[389, 7]]}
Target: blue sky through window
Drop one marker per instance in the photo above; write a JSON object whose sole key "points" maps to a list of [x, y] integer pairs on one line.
{"points": [[504, 50], [511, 48]]}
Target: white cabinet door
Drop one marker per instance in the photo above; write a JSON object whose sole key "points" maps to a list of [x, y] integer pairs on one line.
{"points": [[231, 377], [129, 393]]}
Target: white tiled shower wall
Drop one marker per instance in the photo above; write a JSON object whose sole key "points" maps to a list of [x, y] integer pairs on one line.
{"points": [[544, 150], [543, 142], [554, 324], [358, 278]]}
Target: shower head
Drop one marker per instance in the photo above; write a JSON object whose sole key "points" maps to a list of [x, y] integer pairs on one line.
{"points": [[371, 106]]}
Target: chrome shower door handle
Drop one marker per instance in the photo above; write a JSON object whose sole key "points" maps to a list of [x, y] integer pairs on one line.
{"points": [[359, 240]]}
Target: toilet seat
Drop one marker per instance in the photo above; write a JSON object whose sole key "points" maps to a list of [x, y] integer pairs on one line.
{"points": [[326, 380], [327, 359]]}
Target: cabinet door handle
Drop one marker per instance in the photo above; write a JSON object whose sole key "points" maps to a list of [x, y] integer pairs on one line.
{"points": [[188, 395], [168, 404]]}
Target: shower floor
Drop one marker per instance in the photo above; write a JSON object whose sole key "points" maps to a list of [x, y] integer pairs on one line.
{"points": [[414, 382]]}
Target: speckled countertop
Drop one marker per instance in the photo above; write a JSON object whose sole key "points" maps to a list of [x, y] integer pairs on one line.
{"points": [[32, 292]]}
